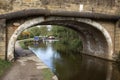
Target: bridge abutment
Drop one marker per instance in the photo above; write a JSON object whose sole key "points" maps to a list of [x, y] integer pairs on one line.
{"points": [[3, 39], [117, 39]]}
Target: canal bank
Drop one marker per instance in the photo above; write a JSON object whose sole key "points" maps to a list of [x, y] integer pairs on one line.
{"points": [[68, 64], [28, 67]]}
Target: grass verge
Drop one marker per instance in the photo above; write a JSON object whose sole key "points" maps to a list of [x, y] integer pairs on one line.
{"points": [[47, 74], [3, 66], [23, 45]]}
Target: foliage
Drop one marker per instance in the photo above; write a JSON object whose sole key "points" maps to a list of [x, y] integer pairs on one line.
{"points": [[22, 44], [3, 66], [33, 31], [67, 47], [47, 74], [65, 33], [25, 43], [67, 37], [24, 35], [43, 31]]}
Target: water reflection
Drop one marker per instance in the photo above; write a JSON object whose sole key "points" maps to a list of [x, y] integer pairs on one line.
{"points": [[70, 65]]}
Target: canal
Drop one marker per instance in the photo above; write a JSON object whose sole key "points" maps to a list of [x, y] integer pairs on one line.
{"points": [[70, 64]]}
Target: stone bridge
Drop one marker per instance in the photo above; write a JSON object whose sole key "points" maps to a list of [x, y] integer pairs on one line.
{"points": [[100, 33], [97, 23]]}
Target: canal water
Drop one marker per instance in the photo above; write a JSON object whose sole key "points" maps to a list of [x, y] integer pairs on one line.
{"points": [[70, 64]]}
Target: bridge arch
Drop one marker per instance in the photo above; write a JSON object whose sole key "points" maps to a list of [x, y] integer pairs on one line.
{"points": [[99, 44]]}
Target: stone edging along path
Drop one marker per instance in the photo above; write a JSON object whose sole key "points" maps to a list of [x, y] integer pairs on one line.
{"points": [[20, 51]]}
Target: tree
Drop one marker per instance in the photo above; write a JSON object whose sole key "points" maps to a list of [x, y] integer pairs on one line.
{"points": [[34, 31], [43, 30], [68, 37], [25, 34]]}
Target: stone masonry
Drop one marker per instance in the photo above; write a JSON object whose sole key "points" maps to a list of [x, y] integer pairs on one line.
{"points": [[110, 7], [2, 38], [97, 6], [108, 26], [117, 37]]}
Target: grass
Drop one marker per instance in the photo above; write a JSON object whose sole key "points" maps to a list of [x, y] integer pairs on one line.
{"points": [[25, 42], [47, 74], [23, 45], [3, 66]]}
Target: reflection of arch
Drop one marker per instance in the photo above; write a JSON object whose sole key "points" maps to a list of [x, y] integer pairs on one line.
{"points": [[77, 25]]}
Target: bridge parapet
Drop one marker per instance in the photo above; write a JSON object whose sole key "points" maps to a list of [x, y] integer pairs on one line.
{"points": [[99, 6]]}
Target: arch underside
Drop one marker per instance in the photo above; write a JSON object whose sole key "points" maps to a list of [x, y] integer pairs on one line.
{"points": [[96, 40]]}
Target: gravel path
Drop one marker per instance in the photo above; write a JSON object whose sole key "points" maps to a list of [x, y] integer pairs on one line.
{"points": [[26, 68]]}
